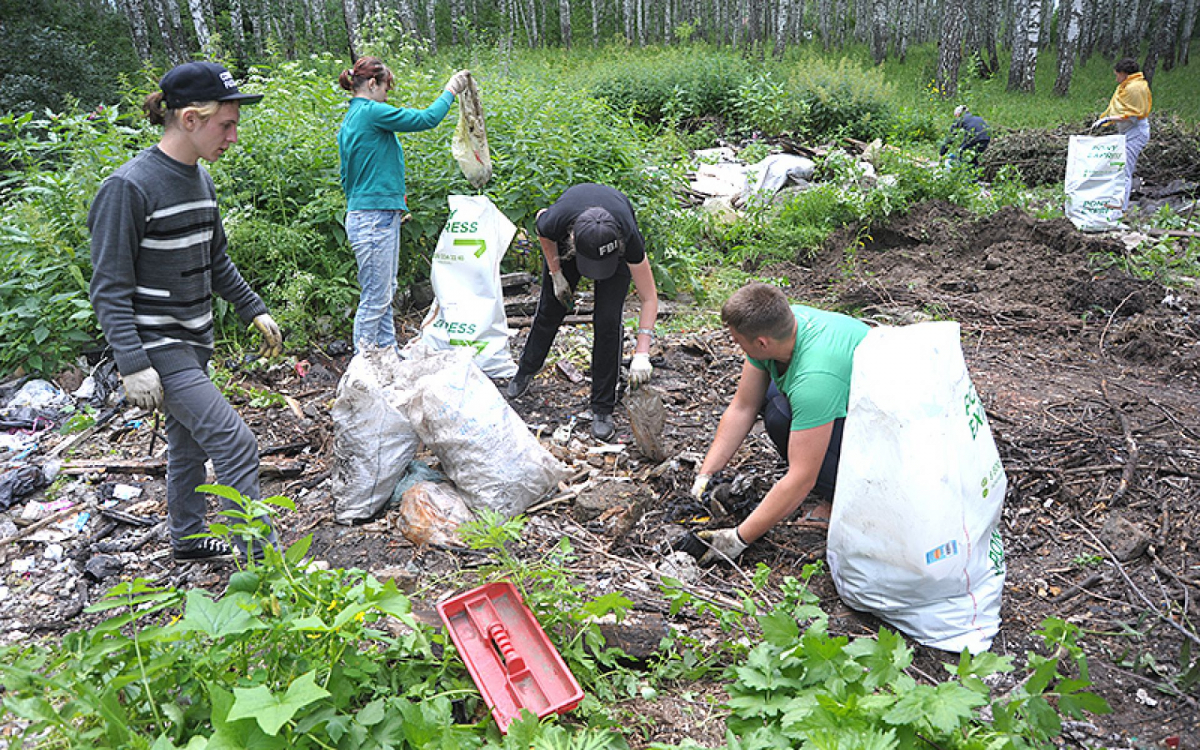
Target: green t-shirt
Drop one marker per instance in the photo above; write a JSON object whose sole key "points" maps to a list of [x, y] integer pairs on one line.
{"points": [[817, 380]]}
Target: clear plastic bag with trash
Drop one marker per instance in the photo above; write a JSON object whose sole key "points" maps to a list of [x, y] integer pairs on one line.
{"points": [[469, 145], [431, 512]]}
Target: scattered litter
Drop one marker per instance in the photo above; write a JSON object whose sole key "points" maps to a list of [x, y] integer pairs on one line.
{"points": [[562, 434], [24, 564], [53, 551], [417, 471], [40, 394], [3, 593], [607, 448], [35, 511], [1144, 698], [647, 418], [126, 492], [22, 481], [680, 566], [103, 566]]}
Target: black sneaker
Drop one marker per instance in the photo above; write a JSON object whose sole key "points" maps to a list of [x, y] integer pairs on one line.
{"points": [[518, 385], [602, 427], [207, 549]]}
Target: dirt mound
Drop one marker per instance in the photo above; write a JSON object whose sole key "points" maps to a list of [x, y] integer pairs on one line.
{"points": [[1041, 154]]}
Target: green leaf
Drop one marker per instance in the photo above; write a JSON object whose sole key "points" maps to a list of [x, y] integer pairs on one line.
{"points": [[221, 490], [611, 602], [296, 552], [271, 710], [218, 619], [885, 658], [779, 628], [944, 706]]}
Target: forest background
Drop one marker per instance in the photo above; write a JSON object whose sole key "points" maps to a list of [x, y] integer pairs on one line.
{"points": [[574, 92]]}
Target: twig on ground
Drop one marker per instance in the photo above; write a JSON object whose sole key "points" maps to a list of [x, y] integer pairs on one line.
{"points": [[1129, 581], [1132, 459]]}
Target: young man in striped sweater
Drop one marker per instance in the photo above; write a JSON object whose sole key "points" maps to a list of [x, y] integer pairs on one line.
{"points": [[158, 255]]}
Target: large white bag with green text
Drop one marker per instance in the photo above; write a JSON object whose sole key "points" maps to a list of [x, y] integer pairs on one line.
{"points": [[915, 533], [468, 311], [1095, 182]]}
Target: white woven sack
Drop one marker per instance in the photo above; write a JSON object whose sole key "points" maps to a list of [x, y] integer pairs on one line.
{"points": [[915, 533], [1095, 182], [468, 311]]}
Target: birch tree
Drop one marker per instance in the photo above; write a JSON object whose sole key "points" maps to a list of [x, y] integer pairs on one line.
{"points": [[200, 25], [782, 26], [595, 23], [1189, 25], [564, 22], [1027, 36], [350, 15], [1161, 39], [1070, 19], [954, 18], [135, 13], [879, 29]]}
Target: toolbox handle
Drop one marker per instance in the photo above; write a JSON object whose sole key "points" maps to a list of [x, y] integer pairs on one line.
{"points": [[512, 659]]}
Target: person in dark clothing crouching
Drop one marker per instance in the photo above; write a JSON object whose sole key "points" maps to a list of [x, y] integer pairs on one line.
{"points": [[968, 137]]}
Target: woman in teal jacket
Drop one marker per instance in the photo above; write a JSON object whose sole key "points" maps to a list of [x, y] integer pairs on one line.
{"points": [[373, 178]]}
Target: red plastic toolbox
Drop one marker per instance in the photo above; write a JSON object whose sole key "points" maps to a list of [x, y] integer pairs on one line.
{"points": [[513, 663]]}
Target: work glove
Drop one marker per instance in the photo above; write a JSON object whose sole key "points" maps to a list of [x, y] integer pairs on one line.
{"points": [[640, 370], [723, 543], [458, 82], [1101, 121], [562, 289], [144, 388], [700, 485], [272, 344]]}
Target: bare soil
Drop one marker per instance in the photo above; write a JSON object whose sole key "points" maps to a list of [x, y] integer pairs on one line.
{"points": [[1091, 386]]}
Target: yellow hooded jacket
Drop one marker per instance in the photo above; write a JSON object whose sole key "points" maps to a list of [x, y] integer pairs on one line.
{"points": [[1131, 100]]}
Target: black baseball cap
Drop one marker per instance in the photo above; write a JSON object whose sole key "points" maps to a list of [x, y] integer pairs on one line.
{"points": [[597, 243], [201, 82]]}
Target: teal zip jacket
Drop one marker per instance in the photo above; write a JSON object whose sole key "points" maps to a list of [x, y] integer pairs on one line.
{"points": [[372, 159]]}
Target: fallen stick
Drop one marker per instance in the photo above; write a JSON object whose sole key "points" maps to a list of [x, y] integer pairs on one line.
{"points": [[1132, 459]]}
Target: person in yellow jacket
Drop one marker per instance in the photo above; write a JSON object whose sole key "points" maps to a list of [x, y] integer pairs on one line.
{"points": [[1129, 111]]}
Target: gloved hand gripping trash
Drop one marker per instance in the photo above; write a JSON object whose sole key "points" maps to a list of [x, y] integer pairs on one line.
{"points": [[562, 289], [724, 544]]}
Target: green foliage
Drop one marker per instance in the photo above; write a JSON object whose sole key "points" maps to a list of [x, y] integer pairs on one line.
{"points": [[55, 49], [841, 99], [672, 84], [54, 167]]}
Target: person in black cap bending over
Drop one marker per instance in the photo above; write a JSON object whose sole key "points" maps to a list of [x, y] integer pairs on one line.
{"points": [[591, 231]]}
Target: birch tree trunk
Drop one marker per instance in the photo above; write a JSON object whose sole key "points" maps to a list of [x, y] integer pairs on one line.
{"points": [[350, 14], [595, 23], [954, 18], [782, 21], [236, 32], [1160, 41], [564, 22], [200, 24], [1070, 18], [1189, 25], [879, 35], [174, 43], [1026, 38], [431, 23], [135, 13], [1177, 9]]}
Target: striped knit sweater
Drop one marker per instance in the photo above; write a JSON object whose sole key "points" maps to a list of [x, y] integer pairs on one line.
{"points": [[158, 254]]}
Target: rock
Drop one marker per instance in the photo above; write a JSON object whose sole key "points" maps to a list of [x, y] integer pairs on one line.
{"points": [[103, 566], [638, 638], [1125, 539], [680, 566]]}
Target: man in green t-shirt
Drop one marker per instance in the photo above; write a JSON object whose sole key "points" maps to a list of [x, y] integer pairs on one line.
{"points": [[797, 376]]}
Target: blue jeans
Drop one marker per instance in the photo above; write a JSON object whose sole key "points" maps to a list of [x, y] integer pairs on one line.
{"points": [[375, 238]]}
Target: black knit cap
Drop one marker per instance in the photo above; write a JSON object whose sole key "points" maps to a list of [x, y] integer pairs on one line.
{"points": [[201, 82]]}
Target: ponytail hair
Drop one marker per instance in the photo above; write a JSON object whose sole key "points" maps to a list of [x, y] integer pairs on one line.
{"points": [[158, 113], [365, 69]]}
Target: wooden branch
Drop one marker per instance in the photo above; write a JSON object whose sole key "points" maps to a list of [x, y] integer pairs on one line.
{"points": [[1132, 459]]}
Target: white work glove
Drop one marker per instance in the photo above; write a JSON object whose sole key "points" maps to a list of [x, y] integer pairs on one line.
{"points": [[458, 82], [144, 388], [724, 543], [1101, 121], [640, 370], [562, 289], [272, 344], [700, 485]]}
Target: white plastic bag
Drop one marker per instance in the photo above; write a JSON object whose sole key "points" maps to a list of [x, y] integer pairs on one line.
{"points": [[373, 441], [915, 533], [469, 309], [1095, 182], [483, 446]]}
